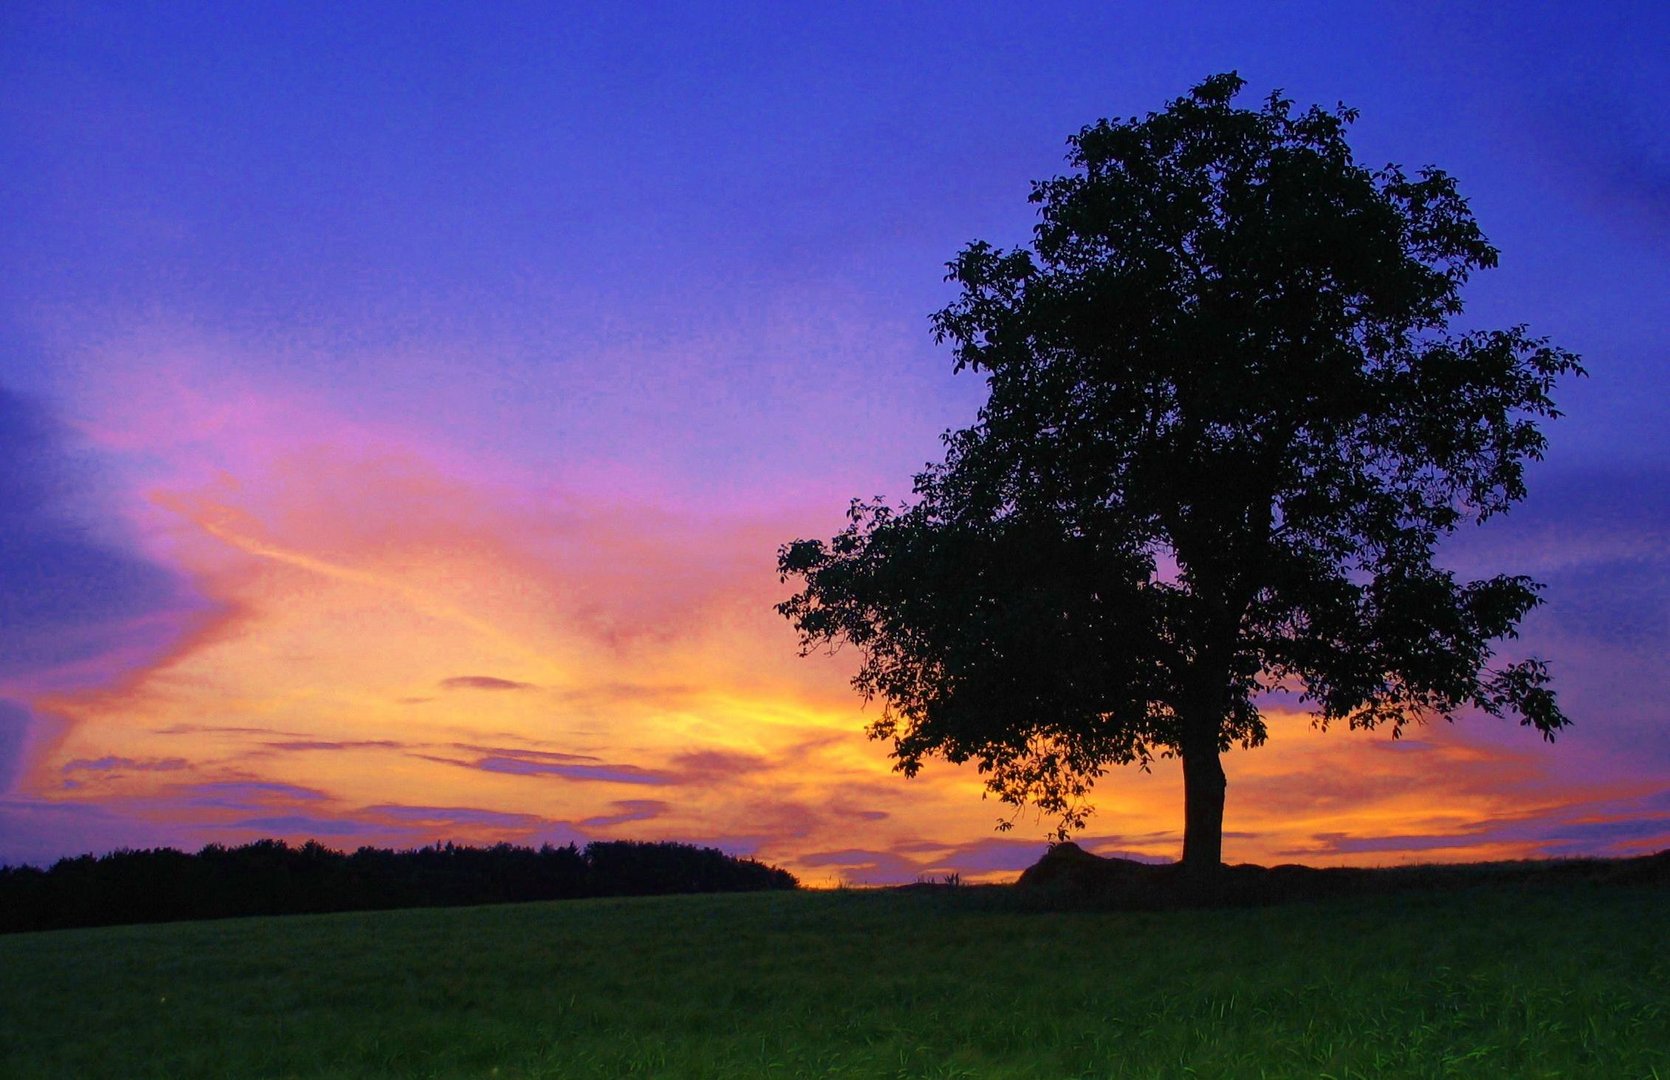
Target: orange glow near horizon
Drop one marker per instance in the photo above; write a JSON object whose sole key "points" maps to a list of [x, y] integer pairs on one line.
{"points": [[395, 657]]}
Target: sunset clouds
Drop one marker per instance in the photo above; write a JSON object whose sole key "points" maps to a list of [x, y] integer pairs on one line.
{"points": [[395, 449], [393, 655]]}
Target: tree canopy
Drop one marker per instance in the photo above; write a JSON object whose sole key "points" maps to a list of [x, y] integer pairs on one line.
{"points": [[1228, 425]]}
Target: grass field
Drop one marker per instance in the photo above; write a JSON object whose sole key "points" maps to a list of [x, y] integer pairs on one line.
{"points": [[1554, 981]]}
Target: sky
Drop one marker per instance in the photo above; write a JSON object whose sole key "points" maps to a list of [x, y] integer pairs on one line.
{"points": [[401, 406]]}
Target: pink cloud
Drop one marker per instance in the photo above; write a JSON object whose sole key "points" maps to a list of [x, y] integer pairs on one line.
{"points": [[567, 647]]}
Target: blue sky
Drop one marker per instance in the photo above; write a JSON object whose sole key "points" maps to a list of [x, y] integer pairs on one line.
{"points": [[616, 300]]}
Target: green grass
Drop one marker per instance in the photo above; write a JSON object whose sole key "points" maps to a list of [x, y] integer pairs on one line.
{"points": [[1557, 981]]}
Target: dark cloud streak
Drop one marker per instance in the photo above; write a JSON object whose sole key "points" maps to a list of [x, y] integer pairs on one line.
{"points": [[483, 682], [352, 744], [617, 774], [627, 810], [113, 764], [452, 815], [575, 767]]}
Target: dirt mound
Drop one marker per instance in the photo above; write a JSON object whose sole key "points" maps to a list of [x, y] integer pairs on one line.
{"points": [[1068, 872], [1070, 865]]}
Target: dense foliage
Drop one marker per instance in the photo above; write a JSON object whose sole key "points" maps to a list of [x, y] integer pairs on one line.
{"points": [[1228, 426], [269, 877]]}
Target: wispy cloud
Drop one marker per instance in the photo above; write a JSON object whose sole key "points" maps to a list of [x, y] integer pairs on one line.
{"points": [[864, 866], [222, 729], [613, 774], [483, 682], [717, 766], [452, 815], [337, 744], [627, 810], [858, 814], [305, 825], [982, 858], [550, 756], [537, 763], [241, 794], [122, 764], [1592, 826]]}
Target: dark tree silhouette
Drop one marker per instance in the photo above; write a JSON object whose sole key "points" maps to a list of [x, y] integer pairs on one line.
{"points": [[1228, 424], [269, 877]]}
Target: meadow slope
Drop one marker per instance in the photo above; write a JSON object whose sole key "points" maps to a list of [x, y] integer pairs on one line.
{"points": [[1567, 980]]}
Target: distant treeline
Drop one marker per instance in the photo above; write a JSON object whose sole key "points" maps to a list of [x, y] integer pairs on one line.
{"points": [[269, 877]]}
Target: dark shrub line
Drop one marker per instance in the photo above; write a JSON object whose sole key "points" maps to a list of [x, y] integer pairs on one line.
{"points": [[268, 877]]}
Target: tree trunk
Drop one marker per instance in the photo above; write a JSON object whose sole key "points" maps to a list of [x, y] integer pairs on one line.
{"points": [[1203, 806]]}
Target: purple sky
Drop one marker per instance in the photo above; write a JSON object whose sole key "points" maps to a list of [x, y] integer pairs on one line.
{"points": [[349, 354]]}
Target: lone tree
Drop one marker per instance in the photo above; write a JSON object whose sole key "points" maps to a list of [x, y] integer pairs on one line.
{"points": [[1228, 424]]}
